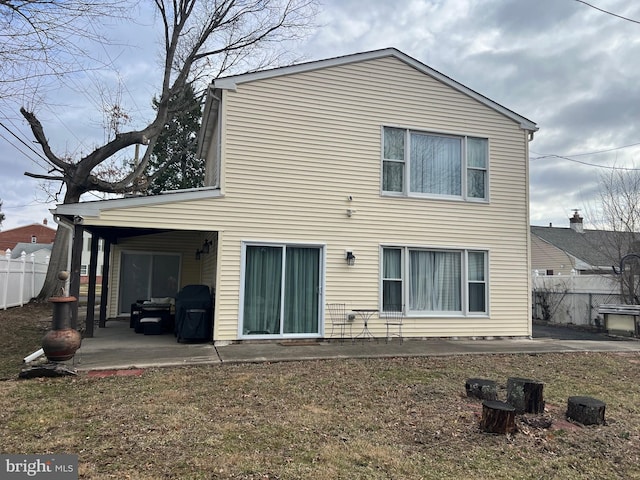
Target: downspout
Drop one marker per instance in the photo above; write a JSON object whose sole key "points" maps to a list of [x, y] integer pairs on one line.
{"points": [[529, 139], [64, 224]]}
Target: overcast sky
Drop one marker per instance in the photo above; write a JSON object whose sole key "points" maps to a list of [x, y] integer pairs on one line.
{"points": [[570, 68]]}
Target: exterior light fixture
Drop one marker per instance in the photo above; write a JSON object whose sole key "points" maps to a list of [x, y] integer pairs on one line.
{"points": [[350, 258], [206, 248]]}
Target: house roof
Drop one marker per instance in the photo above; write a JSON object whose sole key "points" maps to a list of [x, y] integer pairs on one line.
{"points": [[595, 248], [9, 238], [29, 248], [230, 83], [33, 228], [93, 208]]}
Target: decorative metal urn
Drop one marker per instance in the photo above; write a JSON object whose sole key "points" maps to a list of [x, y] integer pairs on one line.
{"points": [[61, 342]]}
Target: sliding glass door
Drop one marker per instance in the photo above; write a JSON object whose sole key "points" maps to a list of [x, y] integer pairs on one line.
{"points": [[281, 290]]}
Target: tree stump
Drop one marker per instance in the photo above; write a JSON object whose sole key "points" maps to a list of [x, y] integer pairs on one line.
{"points": [[481, 388], [498, 417], [586, 410], [525, 395]]}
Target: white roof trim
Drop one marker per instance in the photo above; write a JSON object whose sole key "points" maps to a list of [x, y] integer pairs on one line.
{"points": [[230, 83], [93, 209]]}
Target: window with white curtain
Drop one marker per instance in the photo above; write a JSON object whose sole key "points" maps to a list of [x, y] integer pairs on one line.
{"points": [[436, 281], [430, 164]]}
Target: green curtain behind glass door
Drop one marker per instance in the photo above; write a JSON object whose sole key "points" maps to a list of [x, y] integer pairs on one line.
{"points": [[302, 276], [262, 290]]}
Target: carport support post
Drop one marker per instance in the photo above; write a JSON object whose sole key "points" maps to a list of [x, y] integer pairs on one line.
{"points": [[104, 294], [91, 294], [76, 260]]}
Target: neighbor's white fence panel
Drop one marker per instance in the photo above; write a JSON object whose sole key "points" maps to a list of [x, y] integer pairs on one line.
{"points": [[20, 279], [573, 298]]}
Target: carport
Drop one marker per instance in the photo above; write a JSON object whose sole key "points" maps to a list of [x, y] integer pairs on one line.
{"points": [[142, 237]]}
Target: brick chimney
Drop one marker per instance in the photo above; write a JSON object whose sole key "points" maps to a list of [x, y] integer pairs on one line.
{"points": [[575, 222], [45, 222]]}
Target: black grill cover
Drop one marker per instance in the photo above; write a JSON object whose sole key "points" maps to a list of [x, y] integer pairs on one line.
{"points": [[194, 319]]}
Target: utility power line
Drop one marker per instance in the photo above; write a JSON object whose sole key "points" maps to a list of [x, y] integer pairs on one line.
{"points": [[608, 12], [585, 163], [22, 142], [595, 152], [543, 156]]}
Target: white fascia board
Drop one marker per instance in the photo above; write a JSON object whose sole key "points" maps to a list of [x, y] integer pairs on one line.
{"points": [[209, 116], [93, 209], [231, 83]]}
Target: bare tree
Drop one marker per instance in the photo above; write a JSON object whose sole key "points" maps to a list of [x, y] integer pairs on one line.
{"points": [[40, 40], [617, 211], [548, 296], [201, 38]]}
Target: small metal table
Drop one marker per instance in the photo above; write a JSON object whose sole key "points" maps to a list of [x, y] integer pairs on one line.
{"points": [[365, 314]]}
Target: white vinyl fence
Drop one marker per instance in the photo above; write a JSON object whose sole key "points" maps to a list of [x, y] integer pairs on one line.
{"points": [[573, 299], [20, 279]]}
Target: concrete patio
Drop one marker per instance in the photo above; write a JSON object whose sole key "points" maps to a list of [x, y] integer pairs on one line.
{"points": [[118, 347]]}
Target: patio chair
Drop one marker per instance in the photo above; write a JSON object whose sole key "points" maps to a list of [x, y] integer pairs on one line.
{"points": [[393, 317], [340, 319]]}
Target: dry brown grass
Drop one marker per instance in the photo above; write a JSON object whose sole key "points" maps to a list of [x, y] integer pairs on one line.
{"points": [[339, 419], [22, 329]]}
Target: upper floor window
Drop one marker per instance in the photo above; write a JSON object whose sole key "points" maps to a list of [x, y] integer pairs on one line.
{"points": [[34, 239], [429, 164]]}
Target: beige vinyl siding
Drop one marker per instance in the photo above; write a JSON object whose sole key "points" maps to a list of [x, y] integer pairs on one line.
{"points": [[209, 262], [545, 256], [294, 148], [298, 146]]}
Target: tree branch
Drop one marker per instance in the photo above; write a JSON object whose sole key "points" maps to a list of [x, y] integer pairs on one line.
{"points": [[38, 133], [44, 177]]}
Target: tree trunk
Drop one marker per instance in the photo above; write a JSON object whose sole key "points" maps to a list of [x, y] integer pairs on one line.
{"points": [[481, 388], [59, 253], [586, 410], [525, 395], [498, 417], [57, 262]]}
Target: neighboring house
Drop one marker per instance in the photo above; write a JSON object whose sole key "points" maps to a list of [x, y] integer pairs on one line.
{"points": [[41, 251], [370, 180], [34, 233], [557, 250], [573, 271]]}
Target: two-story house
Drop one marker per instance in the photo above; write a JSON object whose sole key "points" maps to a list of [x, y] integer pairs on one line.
{"points": [[370, 180]]}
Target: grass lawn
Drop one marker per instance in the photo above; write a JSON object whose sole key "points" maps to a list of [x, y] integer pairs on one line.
{"points": [[337, 419]]}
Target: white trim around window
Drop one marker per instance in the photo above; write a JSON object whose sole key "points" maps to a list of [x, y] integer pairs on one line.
{"points": [[436, 165], [435, 282]]}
